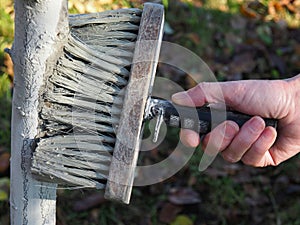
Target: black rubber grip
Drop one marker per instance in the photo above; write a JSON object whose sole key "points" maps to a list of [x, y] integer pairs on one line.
{"points": [[201, 119]]}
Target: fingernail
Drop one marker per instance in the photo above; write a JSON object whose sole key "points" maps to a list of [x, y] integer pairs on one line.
{"points": [[231, 129], [257, 124], [179, 97]]}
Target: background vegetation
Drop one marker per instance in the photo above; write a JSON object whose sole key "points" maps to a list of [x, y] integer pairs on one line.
{"points": [[238, 40]]}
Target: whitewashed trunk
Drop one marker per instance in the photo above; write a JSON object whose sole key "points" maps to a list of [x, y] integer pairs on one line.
{"points": [[41, 27]]}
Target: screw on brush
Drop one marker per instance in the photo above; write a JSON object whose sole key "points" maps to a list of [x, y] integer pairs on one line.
{"points": [[160, 118]]}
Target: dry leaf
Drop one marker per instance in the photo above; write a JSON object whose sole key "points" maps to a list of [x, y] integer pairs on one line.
{"points": [[4, 162], [194, 38], [9, 68], [184, 196], [168, 212], [242, 63], [238, 22], [89, 202], [79, 6], [182, 220], [254, 9], [277, 62]]}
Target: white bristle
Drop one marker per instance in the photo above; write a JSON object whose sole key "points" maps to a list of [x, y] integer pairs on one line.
{"points": [[81, 103]]}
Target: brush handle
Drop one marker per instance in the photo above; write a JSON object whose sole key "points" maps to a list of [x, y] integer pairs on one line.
{"points": [[128, 136], [200, 119]]}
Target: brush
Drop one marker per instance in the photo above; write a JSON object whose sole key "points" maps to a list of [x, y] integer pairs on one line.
{"points": [[94, 104]]}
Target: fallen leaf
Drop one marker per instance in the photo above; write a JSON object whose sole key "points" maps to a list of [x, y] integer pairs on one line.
{"points": [[293, 189], [3, 195], [277, 62], [297, 48], [94, 215], [192, 181], [4, 162], [4, 188], [282, 180], [146, 220], [169, 212], [79, 6], [238, 22], [194, 38], [232, 169], [182, 220], [215, 173], [9, 68], [242, 63], [254, 9], [232, 39], [106, 2], [184, 196], [89, 202]]}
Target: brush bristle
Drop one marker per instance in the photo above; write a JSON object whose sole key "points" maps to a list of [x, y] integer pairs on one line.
{"points": [[80, 103]]}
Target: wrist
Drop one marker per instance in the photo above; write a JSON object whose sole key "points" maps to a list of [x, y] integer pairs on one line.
{"points": [[294, 84]]}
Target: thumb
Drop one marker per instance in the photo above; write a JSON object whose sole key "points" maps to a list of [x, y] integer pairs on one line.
{"points": [[183, 98], [205, 92], [254, 97]]}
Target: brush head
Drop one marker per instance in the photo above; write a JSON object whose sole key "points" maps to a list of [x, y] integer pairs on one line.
{"points": [[85, 115], [137, 95], [80, 103]]}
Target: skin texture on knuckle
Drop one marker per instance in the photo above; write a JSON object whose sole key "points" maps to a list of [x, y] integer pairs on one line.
{"points": [[250, 162], [197, 95], [235, 94], [229, 158], [251, 159], [210, 92], [284, 99], [254, 128], [293, 85], [264, 98]]}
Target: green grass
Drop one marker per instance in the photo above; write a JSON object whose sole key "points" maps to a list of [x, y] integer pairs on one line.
{"points": [[5, 101], [223, 192], [291, 214], [6, 30], [202, 23], [6, 39]]}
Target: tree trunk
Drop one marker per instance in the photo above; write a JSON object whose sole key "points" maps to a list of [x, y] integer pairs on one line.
{"points": [[41, 28]]}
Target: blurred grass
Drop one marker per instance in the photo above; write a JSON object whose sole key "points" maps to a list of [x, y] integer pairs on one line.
{"points": [[6, 39], [5, 102]]}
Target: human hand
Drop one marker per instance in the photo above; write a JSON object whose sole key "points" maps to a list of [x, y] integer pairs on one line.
{"points": [[253, 143]]}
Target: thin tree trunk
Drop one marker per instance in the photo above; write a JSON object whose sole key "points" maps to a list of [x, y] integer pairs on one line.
{"points": [[41, 28]]}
